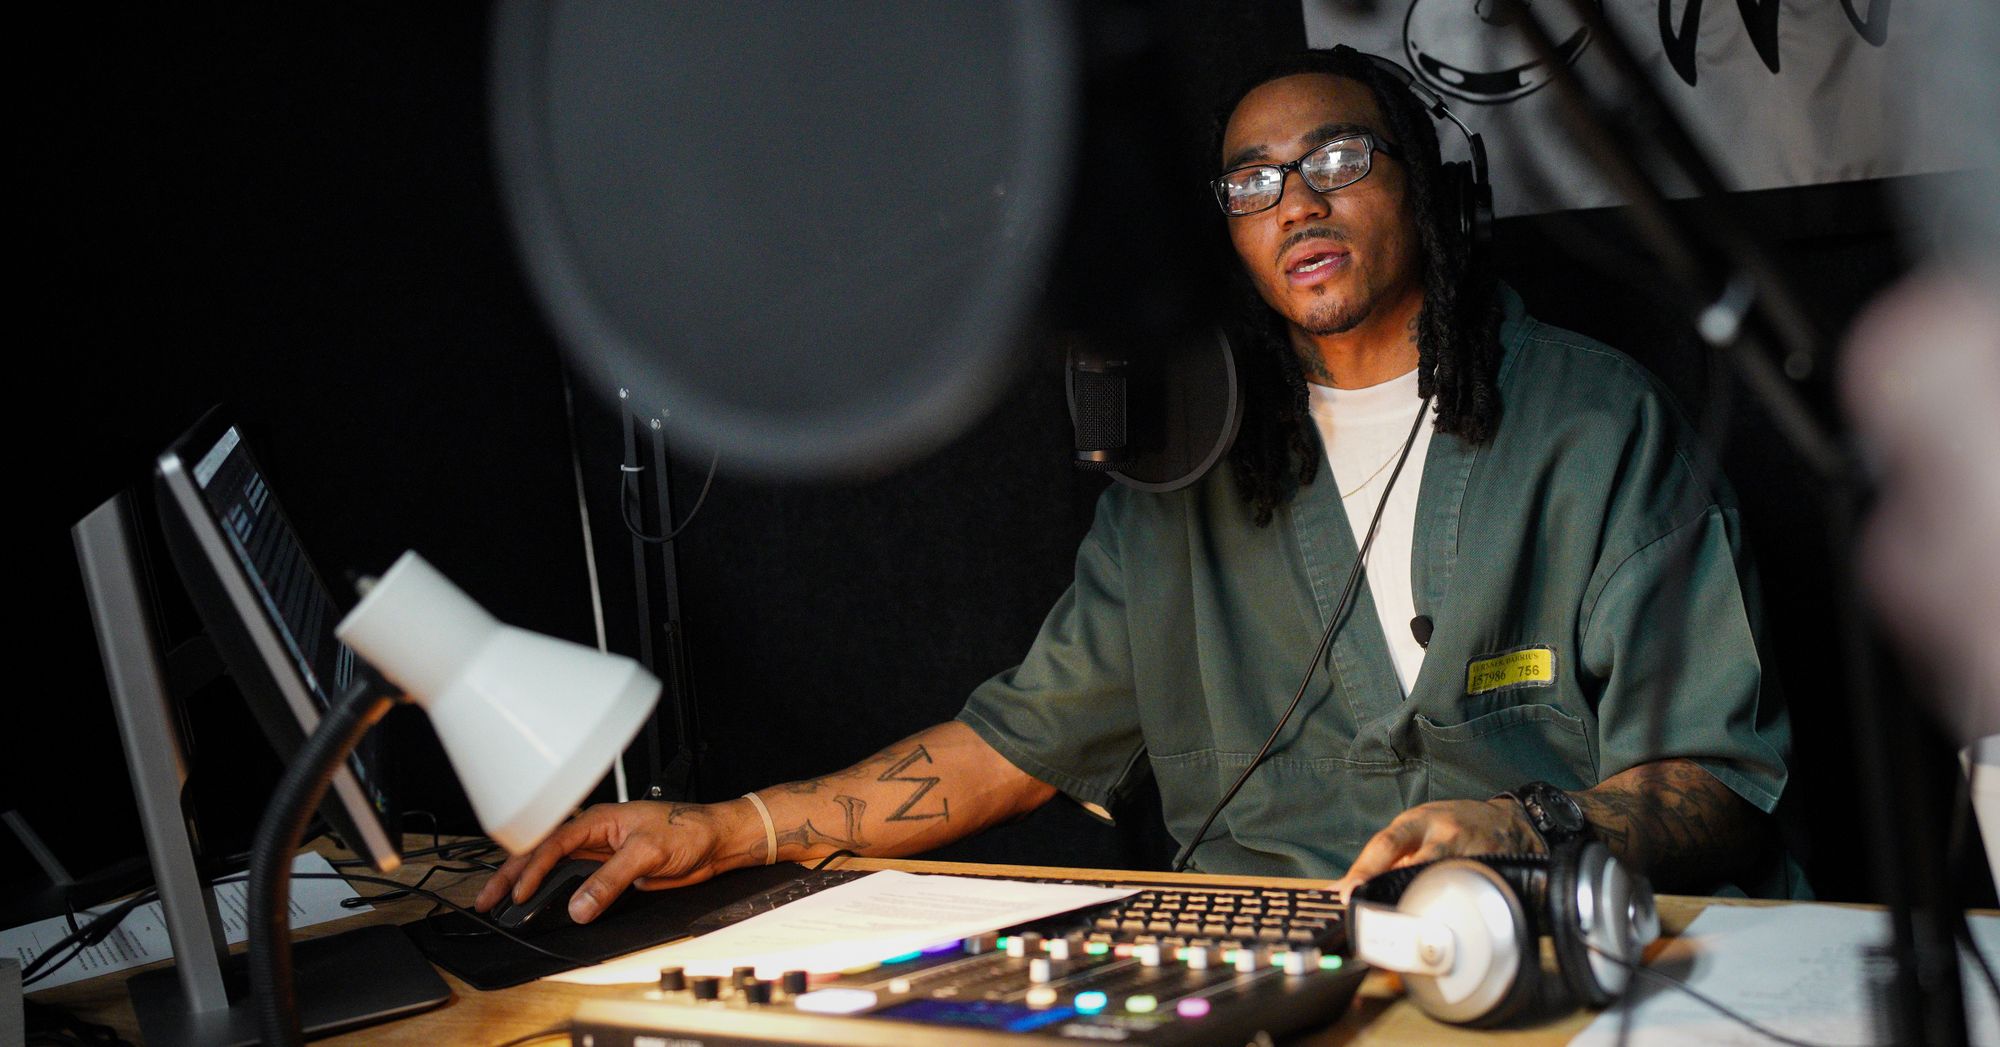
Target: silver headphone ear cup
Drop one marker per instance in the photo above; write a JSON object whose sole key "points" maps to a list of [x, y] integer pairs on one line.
{"points": [[1611, 912], [1496, 957], [1570, 896]]}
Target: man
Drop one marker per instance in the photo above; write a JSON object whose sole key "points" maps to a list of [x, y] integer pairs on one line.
{"points": [[1575, 572]]}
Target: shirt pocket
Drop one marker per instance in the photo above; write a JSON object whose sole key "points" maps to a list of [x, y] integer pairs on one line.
{"points": [[1505, 748], [1293, 817]]}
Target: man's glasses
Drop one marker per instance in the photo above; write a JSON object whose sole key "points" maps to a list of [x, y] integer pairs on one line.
{"points": [[1335, 165]]}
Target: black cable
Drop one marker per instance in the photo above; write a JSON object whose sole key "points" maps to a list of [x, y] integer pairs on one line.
{"points": [[544, 1034], [629, 474], [828, 860], [101, 925], [1332, 625], [1716, 1005], [383, 881], [90, 934]]}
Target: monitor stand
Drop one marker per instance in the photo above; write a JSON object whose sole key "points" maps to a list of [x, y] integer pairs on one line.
{"points": [[343, 981]]}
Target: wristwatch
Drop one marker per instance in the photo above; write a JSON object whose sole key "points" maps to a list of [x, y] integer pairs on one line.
{"points": [[1555, 814]]}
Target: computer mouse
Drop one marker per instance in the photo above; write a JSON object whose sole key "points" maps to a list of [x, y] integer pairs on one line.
{"points": [[548, 907]]}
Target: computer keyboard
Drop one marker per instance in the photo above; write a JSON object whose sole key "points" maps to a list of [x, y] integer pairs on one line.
{"points": [[1170, 914]]}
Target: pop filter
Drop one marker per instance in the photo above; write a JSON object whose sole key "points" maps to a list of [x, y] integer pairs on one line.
{"points": [[811, 230]]}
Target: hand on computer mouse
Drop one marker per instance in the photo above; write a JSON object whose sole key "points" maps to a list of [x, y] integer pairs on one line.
{"points": [[652, 845]]}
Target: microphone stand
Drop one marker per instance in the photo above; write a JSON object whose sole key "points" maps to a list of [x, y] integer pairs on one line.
{"points": [[1740, 304]]}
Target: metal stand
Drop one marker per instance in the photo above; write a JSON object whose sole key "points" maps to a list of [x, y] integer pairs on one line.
{"points": [[345, 980], [656, 584]]}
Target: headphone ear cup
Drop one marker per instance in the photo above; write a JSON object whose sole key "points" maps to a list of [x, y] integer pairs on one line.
{"points": [[1498, 960], [1565, 925]]}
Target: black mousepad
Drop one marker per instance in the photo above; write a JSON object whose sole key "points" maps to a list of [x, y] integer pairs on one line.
{"points": [[637, 920]]}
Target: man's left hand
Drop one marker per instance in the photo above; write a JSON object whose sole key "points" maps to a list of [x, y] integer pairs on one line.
{"points": [[1444, 829]]}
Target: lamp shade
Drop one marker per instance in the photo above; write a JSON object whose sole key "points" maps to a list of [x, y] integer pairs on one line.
{"points": [[529, 722]]}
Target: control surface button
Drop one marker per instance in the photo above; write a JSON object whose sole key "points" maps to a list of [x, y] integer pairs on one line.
{"points": [[835, 1001]]}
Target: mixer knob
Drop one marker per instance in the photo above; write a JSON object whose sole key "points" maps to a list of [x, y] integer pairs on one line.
{"points": [[672, 979]]}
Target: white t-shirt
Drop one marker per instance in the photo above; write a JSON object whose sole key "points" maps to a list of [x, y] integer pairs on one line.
{"points": [[1364, 430]]}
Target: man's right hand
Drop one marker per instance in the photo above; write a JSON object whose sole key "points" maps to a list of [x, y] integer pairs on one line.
{"points": [[652, 845], [936, 786]]}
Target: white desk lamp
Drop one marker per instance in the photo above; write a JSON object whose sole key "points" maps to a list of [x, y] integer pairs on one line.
{"points": [[529, 722]]}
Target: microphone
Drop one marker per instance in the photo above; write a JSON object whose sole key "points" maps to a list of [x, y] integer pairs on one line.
{"points": [[1421, 627], [1155, 419], [1098, 408]]}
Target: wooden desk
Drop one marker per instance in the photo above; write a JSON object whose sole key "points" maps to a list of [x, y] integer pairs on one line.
{"points": [[1379, 1016]]}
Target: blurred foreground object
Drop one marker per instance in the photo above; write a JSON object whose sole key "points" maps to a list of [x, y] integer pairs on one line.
{"points": [[1921, 379], [811, 231]]}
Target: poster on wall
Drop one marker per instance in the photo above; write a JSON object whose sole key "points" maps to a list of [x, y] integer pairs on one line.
{"points": [[1778, 92]]}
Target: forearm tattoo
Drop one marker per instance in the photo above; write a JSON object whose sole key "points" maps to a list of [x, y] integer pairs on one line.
{"points": [[1675, 822], [891, 778], [924, 784], [849, 838]]}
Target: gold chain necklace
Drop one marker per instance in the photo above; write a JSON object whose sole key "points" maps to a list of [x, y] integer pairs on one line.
{"points": [[1393, 455]]}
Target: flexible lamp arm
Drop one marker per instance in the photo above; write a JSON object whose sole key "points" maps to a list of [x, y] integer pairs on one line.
{"points": [[279, 834]]}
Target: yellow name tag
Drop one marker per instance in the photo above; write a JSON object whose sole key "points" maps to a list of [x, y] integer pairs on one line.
{"points": [[1527, 667]]}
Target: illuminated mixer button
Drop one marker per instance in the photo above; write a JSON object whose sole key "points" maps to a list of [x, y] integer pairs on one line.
{"points": [[1149, 954], [899, 985], [1192, 1007], [1199, 957], [1091, 1002], [672, 979], [1016, 947], [1060, 948], [1246, 960], [1042, 996], [835, 1001], [1142, 1003], [1298, 963], [1040, 970]]}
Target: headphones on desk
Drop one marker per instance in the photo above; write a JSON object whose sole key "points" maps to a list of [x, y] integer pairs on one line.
{"points": [[1466, 933]]}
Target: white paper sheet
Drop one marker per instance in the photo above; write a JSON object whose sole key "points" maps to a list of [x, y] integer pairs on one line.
{"points": [[1801, 970], [142, 937], [857, 923]]}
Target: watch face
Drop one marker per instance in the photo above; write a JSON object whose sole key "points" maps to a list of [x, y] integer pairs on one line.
{"points": [[1554, 810], [1565, 815]]}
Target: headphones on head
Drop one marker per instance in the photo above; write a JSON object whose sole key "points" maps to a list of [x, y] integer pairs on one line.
{"points": [[1462, 184], [1466, 932]]}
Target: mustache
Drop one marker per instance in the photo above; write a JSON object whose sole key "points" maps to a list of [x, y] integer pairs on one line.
{"points": [[1314, 232]]}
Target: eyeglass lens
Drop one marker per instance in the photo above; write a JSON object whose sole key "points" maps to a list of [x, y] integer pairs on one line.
{"points": [[1335, 165]]}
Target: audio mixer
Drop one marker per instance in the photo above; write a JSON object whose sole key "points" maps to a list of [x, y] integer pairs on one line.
{"points": [[1174, 964]]}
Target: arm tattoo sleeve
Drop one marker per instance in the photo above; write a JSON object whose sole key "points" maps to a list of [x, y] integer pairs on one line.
{"points": [[1675, 822]]}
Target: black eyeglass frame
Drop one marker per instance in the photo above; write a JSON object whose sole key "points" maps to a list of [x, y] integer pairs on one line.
{"points": [[1371, 142]]}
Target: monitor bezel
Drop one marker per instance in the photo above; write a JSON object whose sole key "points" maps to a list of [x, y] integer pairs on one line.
{"points": [[241, 628]]}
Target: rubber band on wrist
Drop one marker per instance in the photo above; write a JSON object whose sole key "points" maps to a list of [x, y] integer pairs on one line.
{"points": [[770, 828]]}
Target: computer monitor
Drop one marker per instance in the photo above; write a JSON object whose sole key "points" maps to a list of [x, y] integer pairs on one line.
{"points": [[270, 617], [268, 613]]}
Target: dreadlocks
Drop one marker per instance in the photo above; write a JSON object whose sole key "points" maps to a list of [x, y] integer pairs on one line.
{"points": [[1458, 344]]}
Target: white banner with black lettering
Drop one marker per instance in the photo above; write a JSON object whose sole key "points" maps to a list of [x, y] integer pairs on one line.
{"points": [[1778, 92]]}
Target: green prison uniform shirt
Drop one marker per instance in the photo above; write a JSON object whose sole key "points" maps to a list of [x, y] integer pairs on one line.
{"points": [[1581, 530]]}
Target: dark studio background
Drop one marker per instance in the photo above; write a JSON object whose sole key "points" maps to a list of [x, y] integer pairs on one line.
{"points": [[295, 213]]}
